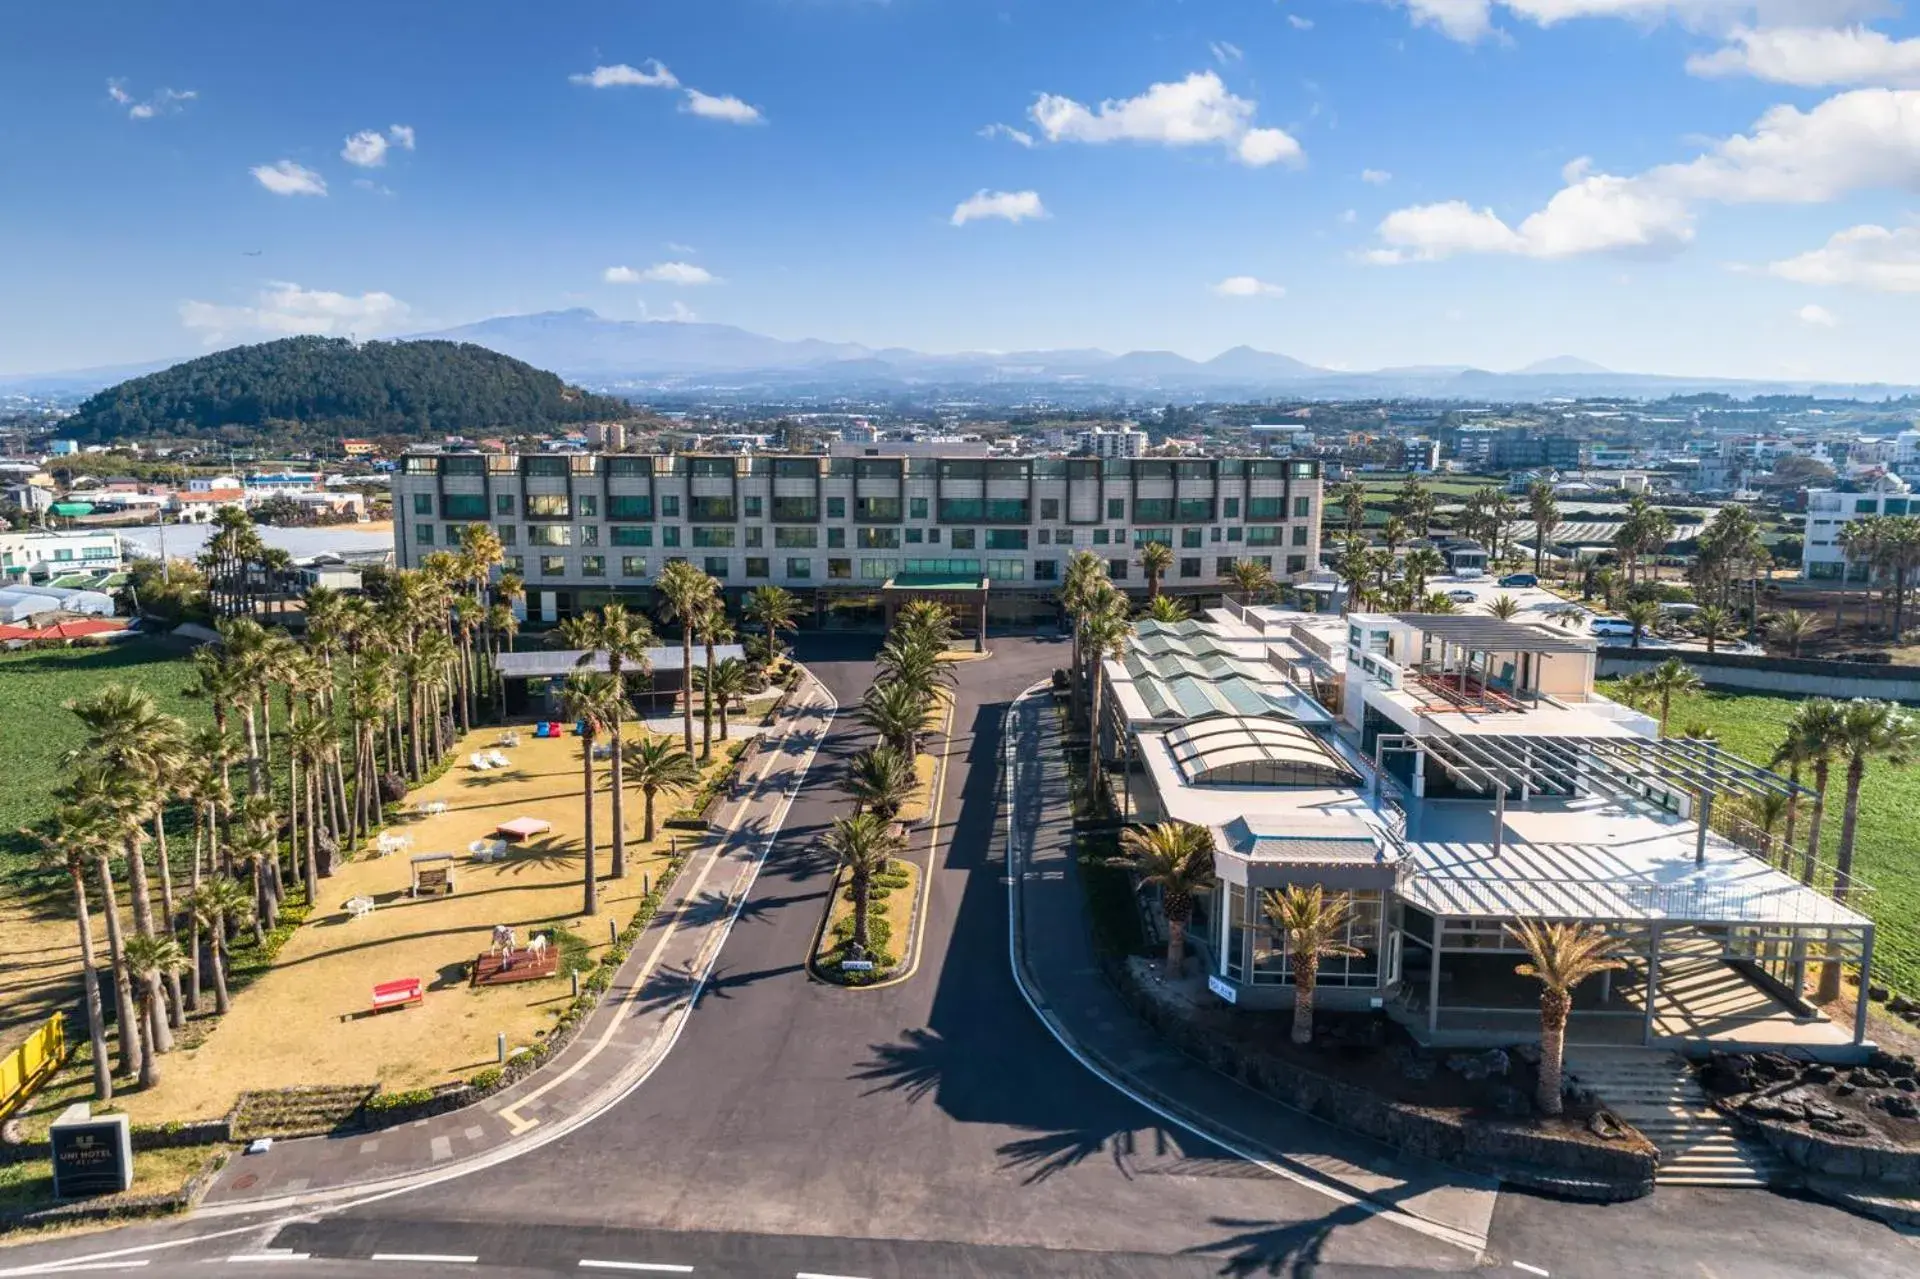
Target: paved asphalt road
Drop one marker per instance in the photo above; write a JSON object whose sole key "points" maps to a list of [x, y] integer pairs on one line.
{"points": [[934, 1129]]}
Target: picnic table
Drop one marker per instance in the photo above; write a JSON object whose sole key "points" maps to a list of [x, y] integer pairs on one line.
{"points": [[523, 827], [433, 808], [360, 906]]}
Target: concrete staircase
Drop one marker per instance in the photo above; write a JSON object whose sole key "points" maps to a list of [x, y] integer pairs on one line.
{"points": [[1656, 1093]]}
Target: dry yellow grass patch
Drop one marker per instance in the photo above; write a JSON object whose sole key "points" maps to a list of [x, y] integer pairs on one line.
{"points": [[41, 974], [307, 1020], [920, 803]]}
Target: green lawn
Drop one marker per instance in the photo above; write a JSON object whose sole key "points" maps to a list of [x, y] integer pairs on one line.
{"points": [[36, 729], [1752, 725]]}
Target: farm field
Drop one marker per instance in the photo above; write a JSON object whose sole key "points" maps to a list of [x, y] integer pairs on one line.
{"points": [[1885, 853]]}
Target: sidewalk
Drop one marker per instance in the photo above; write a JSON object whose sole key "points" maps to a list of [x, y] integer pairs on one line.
{"points": [[1058, 970], [622, 1041]]}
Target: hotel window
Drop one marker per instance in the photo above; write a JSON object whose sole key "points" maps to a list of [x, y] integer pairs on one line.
{"points": [[553, 566], [877, 539], [589, 506], [589, 535], [1299, 535], [712, 538], [756, 535], [917, 508], [877, 510], [752, 505], [1006, 539], [710, 508], [633, 537], [548, 506], [962, 539], [796, 510], [1099, 537], [1302, 507], [1046, 570], [1266, 508], [1263, 535], [757, 566], [1117, 570], [836, 539], [1233, 508], [1190, 539], [1141, 536], [633, 566], [549, 535], [549, 467], [1296, 563], [795, 468], [593, 566], [1007, 570], [796, 537], [716, 566], [915, 536], [1236, 533], [670, 535], [423, 504], [1223, 566], [1049, 508], [629, 506], [1190, 567], [1195, 510], [1116, 508], [878, 570], [839, 570], [670, 505], [711, 467], [933, 533], [463, 506], [503, 504], [422, 533], [836, 508], [514, 564], [1046, 536], [507, 533], [799, 567], [453, 534], [1152, 510]]}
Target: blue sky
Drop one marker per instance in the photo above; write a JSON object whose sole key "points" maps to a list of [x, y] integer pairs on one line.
{"points": [[1708, 187]]}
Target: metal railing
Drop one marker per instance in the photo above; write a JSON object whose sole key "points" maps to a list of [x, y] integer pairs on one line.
{"points": [[1617, 899]]}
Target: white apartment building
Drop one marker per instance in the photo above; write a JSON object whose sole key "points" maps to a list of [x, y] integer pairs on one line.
{"points": [[1830, 510], [1123, 442], [586, 529], [27, 557]]}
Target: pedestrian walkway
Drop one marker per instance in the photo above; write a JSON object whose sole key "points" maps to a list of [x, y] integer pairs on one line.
{"points": [[1058, 969], [626, 1036], [1656, 1092]]}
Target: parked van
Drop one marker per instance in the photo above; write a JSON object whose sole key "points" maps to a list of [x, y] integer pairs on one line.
{"points": [[1611, 628]]}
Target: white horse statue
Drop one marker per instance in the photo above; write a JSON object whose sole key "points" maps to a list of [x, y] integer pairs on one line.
{"points": [[505, 942]]}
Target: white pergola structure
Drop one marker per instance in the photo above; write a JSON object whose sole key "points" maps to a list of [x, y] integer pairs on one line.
{"points": [[1607, 843]]}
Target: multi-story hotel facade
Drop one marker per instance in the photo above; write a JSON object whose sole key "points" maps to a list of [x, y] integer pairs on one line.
{"points": [[583, 529]]}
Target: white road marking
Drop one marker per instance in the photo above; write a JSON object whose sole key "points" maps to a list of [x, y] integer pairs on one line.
{"points": [[1433, 1229], [652, 1267], [270, 1254], [811, 1274], [444, 1258], [57, 1268], [1532, 1270]]}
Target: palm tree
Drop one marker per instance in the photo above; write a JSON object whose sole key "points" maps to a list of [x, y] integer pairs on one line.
{"points": [[1156, 558], [1793, 628], [1351, 498], [1859, 542], [683, 591], [898, 712], [1419, 564], [219, 907], [1106, 636], [1643, 614], [1393, 534], [625, 638], [712, 623], [595, 702], [1315, 927], [1251, 578], [656, 764], [1355, 568], [1503, 606], [879, 780], [1438, 602], [1713, 624], [724, 684], [1670, 679], [73, 844], [1085, 572], [1817, 726], [1559, 956], [1167, 609], [151, 960], [864, 843], [773, 609], [1176, 858], [308, 739], [1866, 731]]}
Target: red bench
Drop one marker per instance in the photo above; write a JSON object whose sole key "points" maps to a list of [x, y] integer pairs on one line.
{"points": [[397, 994]]}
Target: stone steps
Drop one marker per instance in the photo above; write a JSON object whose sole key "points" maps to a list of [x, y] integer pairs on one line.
{"points": [[1656, 1093]]}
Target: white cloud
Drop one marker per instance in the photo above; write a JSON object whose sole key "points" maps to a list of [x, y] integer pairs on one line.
{"points": [[1196, 111], [720, 107], [1469, 21], [1017, 136], [1224, 52], [661, 273], [651, 75], [401, 135], [1862, 139], [284, 177], [1464, 20], [1349, 216], [674, 246], [1813, 56], [282, 309], [1247, 286], [1885, 260], [1299, 23], [1375, 177], [1817, 315], [366, 149], [678, 313], [620, 275], [1011, 206], [163, 102]]}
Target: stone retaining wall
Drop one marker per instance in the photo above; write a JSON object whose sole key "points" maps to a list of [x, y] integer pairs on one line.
{"points": [[1509, 1150]]}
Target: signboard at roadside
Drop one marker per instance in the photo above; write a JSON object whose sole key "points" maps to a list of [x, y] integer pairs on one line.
{"points": [[92, 1155], [856, 965], [1223, 988]]}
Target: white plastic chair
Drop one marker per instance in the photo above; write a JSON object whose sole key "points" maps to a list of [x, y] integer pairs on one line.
{"points": [[498, 760]]}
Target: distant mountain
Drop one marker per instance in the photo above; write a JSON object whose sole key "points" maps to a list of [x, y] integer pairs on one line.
{"points": [[582, 342], [333, 387], [1245, 362], [1561, 364], [77, 381]]}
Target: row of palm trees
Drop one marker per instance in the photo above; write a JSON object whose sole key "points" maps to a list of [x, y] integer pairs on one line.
{"points": [[1889, 546], [900, 708]]}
